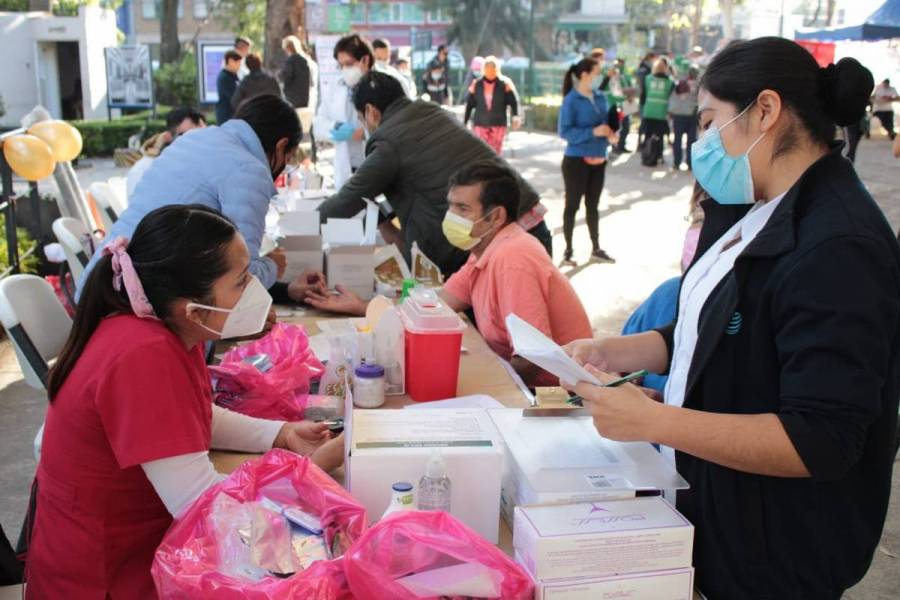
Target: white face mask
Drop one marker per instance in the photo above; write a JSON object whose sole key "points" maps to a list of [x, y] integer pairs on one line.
{"points": [[247, 317], [351, 75]]}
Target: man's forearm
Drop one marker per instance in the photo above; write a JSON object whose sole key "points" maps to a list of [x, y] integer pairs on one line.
{"points": [[751, 443]]}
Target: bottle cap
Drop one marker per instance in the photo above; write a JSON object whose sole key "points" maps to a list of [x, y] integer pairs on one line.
{"points": [[369, 371], [435, 468], [408, 284], [402, 486]]}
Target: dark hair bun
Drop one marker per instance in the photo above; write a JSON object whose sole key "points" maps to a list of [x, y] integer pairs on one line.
{"points": [[845, 89]]}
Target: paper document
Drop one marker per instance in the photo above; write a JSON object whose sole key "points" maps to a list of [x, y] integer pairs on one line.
{"points": [[371, 223], [338, 326], [478, 401], [414, 429], [531, 344]]}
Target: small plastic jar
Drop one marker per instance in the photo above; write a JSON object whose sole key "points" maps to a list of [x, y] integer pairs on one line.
{"points": [[368, 386]]}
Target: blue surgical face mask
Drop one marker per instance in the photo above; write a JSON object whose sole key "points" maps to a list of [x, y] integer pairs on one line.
{"points": [[727, 179]]}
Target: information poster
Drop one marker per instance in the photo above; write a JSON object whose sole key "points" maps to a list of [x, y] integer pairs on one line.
{"points": [[329, 69], [129, 77], [210, 60]]}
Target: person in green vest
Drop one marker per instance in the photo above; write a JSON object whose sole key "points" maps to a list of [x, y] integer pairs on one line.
{"points": [[618, 88], [657, 88]]}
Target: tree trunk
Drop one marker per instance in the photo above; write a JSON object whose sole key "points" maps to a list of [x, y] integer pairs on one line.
{"points": [[283, 18], [696, 20], [169, 46], [727, 7]]}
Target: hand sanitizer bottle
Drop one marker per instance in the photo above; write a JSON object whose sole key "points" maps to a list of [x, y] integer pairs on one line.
{"points": [[434, 487]]}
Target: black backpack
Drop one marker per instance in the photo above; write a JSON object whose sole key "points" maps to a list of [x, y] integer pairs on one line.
{"points": [[652, 150]]}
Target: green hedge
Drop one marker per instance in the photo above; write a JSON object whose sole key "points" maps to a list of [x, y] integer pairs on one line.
{"points": [[101, 138], [544, 116]]}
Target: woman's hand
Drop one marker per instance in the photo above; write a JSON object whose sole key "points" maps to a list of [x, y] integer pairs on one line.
{"points": [[603, 131], [588, 352], [622, 413], [330, 455], [302, 437], [345, 302]]}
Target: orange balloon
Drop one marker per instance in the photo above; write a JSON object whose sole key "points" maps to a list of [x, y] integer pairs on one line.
{"points": [[29, 157], [64, 140]]}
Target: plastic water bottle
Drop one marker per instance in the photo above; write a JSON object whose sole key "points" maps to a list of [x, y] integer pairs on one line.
{"points": [[434, 487], [403, 497]]}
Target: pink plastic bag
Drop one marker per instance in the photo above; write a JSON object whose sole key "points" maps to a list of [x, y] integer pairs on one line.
{"points": [[411, 542], [189, 561], [281, 392]]}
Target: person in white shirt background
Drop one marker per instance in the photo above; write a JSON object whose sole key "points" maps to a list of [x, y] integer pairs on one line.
{"points": [[178, 122], [336, 114], [242, 46], [382, 50], [883, 106]]}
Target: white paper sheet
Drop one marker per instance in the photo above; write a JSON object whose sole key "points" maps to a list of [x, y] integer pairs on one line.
{"points": [[371, 223], [320, 346], [531, 344], [477, 401]]}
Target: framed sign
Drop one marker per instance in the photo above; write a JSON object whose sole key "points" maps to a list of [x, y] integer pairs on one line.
{"points": [[129, 77], [210, 60]]}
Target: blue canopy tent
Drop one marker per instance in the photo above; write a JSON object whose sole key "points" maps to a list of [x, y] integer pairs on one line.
{"points": [[882, 24]]}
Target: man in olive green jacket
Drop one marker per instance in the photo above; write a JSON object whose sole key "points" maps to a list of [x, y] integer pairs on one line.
{"points": [[413, 148]]}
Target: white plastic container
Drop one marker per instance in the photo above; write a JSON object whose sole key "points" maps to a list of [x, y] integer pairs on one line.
{"points": [[368, 385], [403, 497]]}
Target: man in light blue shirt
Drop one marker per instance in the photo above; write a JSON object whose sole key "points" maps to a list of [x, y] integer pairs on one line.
{"points": [[229, 168]]}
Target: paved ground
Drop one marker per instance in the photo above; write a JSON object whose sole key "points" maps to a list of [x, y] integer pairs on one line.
{"points": [[642, 226]]}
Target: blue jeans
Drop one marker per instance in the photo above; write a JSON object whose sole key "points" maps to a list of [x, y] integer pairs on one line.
{"points": [[683, 126]]}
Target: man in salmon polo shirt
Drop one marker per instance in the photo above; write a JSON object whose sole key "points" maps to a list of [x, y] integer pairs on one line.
{"points": [[508, 271]]}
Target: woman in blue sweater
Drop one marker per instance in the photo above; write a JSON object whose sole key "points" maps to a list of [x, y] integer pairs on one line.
{"points": [[583, 124]]}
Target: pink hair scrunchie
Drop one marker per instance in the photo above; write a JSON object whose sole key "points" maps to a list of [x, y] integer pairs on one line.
{"points": [[123, 272]]}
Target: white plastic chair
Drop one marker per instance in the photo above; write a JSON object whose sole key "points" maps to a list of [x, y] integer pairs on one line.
{"points": [[107, 202], [37, 326], [119, 186], [75, 239]]}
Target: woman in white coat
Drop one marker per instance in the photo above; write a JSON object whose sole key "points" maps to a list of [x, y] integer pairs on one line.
{"points": [[336, 114]]}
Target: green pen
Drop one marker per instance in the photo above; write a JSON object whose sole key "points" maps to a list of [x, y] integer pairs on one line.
{"points": [[579, 401]]}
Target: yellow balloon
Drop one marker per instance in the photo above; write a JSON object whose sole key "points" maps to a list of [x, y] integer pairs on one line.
{"points": [[63, 139], [29, 157]]}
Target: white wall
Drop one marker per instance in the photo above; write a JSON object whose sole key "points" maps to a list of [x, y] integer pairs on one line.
{"points": [[94, 29]]}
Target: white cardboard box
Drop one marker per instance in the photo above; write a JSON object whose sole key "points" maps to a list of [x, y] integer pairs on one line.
{"points": [[352, 267], [302, 252], [599, 539], [676, 584], [563, 460], [388, 446]]}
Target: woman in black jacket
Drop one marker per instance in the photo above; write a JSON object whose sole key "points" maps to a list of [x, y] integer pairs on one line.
{"points": [[784, 360]]}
